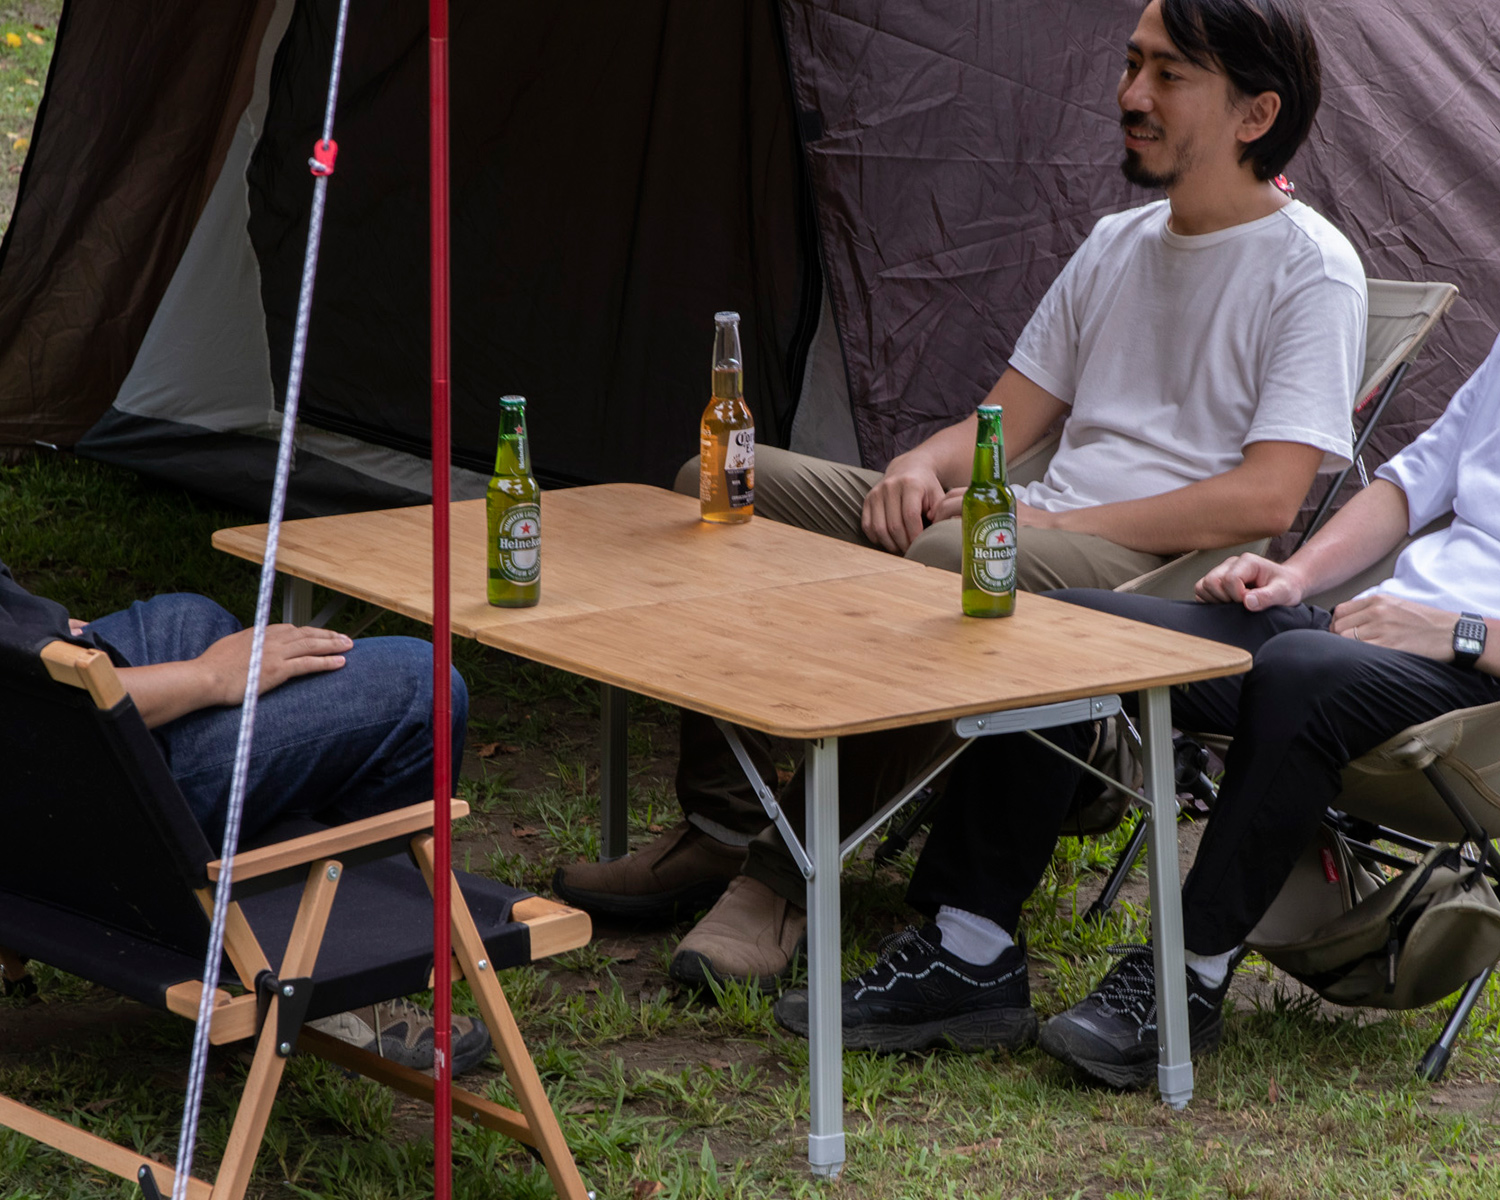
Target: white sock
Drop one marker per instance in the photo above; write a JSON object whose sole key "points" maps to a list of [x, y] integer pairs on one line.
{"points": [[973, 938], [1211, 968]]}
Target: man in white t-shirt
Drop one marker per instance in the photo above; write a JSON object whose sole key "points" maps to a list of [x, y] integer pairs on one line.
{"points": [[1324, 689], [1203, 353]]}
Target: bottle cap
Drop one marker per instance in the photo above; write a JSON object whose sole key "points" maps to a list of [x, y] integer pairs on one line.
{"points": [[721, 317], [513, 401], [991, 408]]}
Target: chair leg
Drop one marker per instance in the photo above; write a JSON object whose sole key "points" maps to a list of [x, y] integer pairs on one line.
{"points": [[268, 1065], [1129, 856], [1435, 1061], [510, 1048]]}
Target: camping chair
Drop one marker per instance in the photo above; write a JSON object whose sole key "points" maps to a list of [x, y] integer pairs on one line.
{"points": [[110, 878], [1401, 316], [1436, 781]]}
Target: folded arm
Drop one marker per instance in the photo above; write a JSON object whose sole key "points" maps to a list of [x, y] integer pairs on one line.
{"points": [[165, 691]]}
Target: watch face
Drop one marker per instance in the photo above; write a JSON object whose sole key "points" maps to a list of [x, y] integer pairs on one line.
{"points": [[1468, 645]]}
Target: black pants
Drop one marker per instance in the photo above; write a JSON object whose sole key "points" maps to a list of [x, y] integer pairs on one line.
{"points": [[1312, 702]]}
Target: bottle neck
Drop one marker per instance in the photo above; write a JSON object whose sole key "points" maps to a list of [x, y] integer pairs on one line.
{"points": [[989, 452], [513, 455], [729, 374]]}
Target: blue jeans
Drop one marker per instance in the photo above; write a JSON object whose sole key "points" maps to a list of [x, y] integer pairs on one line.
{"points": [[337, 745]]}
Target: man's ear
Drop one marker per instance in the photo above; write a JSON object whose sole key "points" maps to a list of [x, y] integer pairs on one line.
{"points": [[1257, 115]]}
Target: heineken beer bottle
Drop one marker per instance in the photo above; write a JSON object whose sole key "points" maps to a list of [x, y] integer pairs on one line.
{"points": [[726, 436], [513, 505], [989, 526]]}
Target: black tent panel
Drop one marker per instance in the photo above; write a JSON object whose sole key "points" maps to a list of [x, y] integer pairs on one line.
{"points": [[620, 173]]}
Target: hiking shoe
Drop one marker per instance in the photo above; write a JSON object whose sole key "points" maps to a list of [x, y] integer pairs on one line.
{"points": [[750, 935], [684, 868], [919, 995], [403, 1032], [1111, 1033]]}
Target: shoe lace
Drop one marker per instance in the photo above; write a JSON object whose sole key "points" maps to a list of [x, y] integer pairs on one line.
{"points": [[897, 946], [1130, 987]]}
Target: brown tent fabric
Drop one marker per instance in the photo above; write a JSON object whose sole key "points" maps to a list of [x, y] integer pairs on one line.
{"points": [[140, 107], [966, 149]]}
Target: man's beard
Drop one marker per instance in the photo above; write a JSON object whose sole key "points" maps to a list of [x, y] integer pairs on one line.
{"points": [[1132, 167]]}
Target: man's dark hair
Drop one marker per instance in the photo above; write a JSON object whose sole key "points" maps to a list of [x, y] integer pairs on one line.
{"points": [[1262, 46]]}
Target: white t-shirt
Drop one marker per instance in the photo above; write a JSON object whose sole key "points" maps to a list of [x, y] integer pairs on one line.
{"points": [[1174, 353], [1454, 466]]}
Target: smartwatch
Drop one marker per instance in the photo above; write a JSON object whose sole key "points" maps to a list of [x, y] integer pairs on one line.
{"points": [[1468, 639]]}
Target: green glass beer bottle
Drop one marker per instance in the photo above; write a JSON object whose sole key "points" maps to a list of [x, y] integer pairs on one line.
{"points": [[989, 526], [513, 505]]}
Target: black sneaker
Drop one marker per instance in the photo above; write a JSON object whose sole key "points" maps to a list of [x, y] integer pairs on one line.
{"points": [[919, 995], [1111, 1033]]}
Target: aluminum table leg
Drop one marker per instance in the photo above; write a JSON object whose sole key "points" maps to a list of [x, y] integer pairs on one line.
{"points": [[825, 1141], [1174, 1069]]}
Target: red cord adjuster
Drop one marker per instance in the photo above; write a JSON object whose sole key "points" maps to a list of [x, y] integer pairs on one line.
{"points": [[324, 156]]}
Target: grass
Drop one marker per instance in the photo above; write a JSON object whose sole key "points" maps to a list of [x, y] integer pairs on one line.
{"points": [[27, 32], [667, 1094]]}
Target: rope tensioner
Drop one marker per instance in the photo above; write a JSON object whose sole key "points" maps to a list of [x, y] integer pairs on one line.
{"points": [[325, 154]]}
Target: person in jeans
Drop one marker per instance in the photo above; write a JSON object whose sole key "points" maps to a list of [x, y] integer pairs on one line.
{"points": [[1325, 688], [1202, 352], [343, 730]]}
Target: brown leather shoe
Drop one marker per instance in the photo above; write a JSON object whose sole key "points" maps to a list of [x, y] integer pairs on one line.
{"points": [[683, 869], [750, 934]]}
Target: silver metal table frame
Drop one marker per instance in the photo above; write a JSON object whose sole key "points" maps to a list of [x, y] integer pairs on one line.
{"points": [[821, 859]]}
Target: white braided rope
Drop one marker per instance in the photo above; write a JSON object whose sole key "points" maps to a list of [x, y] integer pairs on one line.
{"points": [[187, 1140]]}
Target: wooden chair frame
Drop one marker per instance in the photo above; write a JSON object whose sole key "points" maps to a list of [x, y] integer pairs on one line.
{"points": [[553, 928]]}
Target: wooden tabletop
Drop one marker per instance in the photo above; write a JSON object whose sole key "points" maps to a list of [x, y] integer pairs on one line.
{"points": [[864, 653], [777, 628], [613, 546]]}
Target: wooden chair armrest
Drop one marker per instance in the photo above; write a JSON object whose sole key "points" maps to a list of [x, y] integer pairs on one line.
{"points": [[554, 927], [80, 667], [330, 843]]}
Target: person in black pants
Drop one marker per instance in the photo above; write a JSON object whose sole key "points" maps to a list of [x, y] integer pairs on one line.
{"points": [[1324, 689]]}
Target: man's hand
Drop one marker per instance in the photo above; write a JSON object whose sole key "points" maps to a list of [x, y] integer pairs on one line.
{"points": [[1256, 582], [1398, 625], [165, 691], [289, 651], [895, 507], [76, 627]]}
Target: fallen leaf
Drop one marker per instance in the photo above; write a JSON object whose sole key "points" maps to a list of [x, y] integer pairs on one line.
{"points": [[657, 828], [644, 1189], [1273, 1093], [20, 144], [98, 1106], [31, 81], [40, 41], [622, 953], [507, 748], [718, 1064], [524, 831], [588, 1106], [1437, 1100], [487, 750], [13, 40]]}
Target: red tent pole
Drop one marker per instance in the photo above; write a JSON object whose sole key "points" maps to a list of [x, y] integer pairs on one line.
{"points": [[442, 765]]}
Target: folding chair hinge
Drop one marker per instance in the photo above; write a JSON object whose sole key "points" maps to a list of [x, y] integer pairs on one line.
{"points": [[147, 1180], [292, 999]]}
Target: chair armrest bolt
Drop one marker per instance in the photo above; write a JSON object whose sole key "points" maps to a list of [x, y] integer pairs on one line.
{"points": [[333, 873], [287, 990], [284, 1049], [483, 964]]}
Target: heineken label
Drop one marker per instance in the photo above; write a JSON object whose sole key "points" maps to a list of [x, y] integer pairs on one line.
{"points": [[739, 467], [519, 541], [992, 554]]}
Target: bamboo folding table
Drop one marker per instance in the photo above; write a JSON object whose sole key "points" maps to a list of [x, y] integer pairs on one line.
{"points": [[797, 635]]}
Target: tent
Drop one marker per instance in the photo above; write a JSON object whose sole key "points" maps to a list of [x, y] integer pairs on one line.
{"points": [[883, 191]]}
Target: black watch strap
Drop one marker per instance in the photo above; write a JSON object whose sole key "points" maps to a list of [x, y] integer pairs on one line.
{"points": [[1468, 639]]}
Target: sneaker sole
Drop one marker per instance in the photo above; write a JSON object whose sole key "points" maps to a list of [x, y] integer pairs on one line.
{"points": [[659, 906], [1066, 1043], [987, 1029]]}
